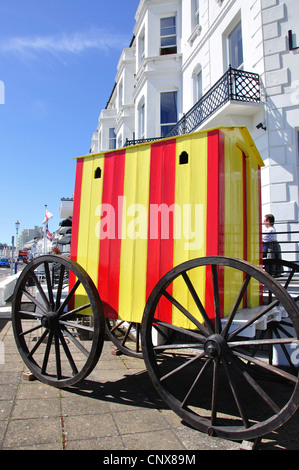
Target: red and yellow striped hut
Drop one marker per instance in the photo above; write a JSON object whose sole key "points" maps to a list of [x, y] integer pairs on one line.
{"points": [[141, 210]]}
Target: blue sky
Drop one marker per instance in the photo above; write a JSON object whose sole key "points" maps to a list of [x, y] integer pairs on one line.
{"points": [[58, 61]]}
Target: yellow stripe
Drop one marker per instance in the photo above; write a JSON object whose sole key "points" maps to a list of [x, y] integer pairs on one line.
{"points": [[133, 262], [233, 231], [82, 252], [93, 235], [235, 145], [88, 241], [253, 226], [191, 203], [84, 213]]}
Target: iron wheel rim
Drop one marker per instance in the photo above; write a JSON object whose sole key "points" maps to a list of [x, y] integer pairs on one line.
{"points": [[66, 350], [249, 430]]}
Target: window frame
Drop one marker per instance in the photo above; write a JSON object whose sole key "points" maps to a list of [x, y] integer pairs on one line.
{"points": [[141, 120], [197, 86], [141, 46], [196, 13], [120, 94], [170, 48], [112, 139], [230, 51], [168, 124]]}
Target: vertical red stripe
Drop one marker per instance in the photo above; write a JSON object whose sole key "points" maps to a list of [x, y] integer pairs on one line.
{"points": [[76, 209], [245, 218], [215, 214], [160, 227], [245, 215], [260, 217], [75, 222], [110, 245], [260, 230]]}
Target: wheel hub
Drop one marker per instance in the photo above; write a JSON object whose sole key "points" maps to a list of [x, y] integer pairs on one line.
{"points": [[215, 346], [49, 320]]}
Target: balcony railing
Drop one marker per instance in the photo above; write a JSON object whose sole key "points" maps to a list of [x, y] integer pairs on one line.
{"points": [[289, 241], [234, 85]]}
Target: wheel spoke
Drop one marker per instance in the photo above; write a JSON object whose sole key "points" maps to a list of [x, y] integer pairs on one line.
{"points": [[126, 334], [68, 298], [57, 355], [31, 330], [78, 326], [41, 291], [214, 392], [253, 319], [35, 315], [258, 389], [60, 286], [37, 344], [187, 396], [290, 277], [49, 284], [182, 366], [161, 332], [67, 353], [264, 365], [199, 338], [185, 312], [283, 330], [236, 306], [73, 312], [198, 303], [47, 352], [163, 347], [74, 340], [237, 396], [36, 303], [117, 325], [216, 300], [137, 337], [285, 351], [261, 342]]}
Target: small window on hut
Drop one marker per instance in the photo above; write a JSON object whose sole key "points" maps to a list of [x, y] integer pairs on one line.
{"points": [[184, 158], [98, 173]]}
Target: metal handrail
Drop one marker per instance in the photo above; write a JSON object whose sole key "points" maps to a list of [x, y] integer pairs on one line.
{"points": [[234, 85], [285, 244]]}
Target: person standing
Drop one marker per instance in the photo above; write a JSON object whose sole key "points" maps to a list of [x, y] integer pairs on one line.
{"points": [[269, 235], [271, 248]]}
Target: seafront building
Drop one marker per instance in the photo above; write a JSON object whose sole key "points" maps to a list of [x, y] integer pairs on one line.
{"points": [[197, 64]]}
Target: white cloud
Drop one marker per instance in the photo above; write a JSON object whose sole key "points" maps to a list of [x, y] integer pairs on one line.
{"points": [[66, 43]]}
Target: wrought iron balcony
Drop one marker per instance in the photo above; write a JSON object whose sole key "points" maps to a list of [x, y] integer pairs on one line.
{"points": [[235, 85]]}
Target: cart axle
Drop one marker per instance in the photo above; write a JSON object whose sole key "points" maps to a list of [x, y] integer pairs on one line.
{"points": [[215, 346]]}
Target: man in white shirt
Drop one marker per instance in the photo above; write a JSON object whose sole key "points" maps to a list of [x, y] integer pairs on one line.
{"points": [[271, 248], [269, 235]]}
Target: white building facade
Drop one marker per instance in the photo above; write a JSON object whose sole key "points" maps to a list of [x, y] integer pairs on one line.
{"points": [[180, 57]]}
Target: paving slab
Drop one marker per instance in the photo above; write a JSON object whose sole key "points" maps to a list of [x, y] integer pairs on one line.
{"points": [[115, 409]]}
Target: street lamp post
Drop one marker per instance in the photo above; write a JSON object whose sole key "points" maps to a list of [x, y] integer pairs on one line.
{"points": [[12, 254], [17, 244]]}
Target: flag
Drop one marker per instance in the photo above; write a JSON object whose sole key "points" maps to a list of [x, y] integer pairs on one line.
{"points": [[47, 216], [49, 235]]}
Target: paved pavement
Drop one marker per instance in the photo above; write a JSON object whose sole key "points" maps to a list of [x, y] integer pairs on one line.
{"points": [[114, 409]]}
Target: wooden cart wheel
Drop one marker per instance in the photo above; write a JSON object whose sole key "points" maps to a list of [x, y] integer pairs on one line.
{"points": [[58, 325], [208, 377], [125, 336], [286, 273]]}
